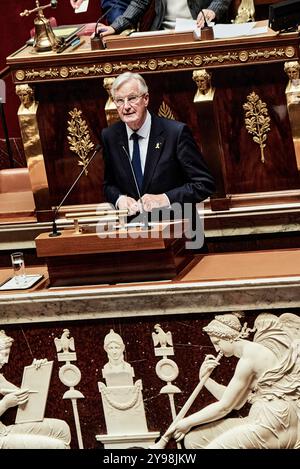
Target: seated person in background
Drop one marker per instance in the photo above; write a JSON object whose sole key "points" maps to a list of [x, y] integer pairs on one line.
{"points": [[111, 8], [166, 12], [169, 169]]}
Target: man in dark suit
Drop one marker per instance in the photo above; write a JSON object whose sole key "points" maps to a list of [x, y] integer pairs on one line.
{"points": [[151, 157], [165, 13]]}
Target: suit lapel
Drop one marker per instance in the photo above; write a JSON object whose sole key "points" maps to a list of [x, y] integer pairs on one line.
{"points": [[155, 147]]}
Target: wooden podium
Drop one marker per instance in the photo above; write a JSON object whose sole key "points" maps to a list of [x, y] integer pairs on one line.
{"points": [[125, 255]]}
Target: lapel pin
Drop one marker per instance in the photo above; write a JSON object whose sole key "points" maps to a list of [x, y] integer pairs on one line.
{"points": [[157, 146]]}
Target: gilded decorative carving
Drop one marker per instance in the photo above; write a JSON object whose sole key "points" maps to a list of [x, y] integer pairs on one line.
{"points": [[27, 115], [164, 63], [185, 61], [64, 72], [266, 54], [84, 71], [79, 138], [292, 93], [110, 108], [205, 92], [50, 73], [257, 121], [245, 12], [220, 58], [20, 75], [165, 111]]}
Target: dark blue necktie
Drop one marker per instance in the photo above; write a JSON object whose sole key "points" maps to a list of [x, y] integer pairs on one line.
{"points": [[136, 159]]}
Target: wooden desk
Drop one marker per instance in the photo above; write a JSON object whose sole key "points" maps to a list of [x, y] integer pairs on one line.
{"points": [[131, 255], [239, 67]]}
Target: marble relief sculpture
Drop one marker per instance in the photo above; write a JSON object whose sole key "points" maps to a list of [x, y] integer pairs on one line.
{"points": [[166, 369], [44, 434], [122, 400], [267, 376], [70, 375]]}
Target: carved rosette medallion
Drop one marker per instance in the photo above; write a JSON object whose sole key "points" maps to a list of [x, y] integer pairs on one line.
{"points": [[20, 75], [257, 121], [290, 51], [152, 64], [79, 137], [197, 60], [64, 72], [243, 56], [107, 68]]}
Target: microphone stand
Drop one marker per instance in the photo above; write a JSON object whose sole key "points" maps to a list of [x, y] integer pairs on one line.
{"points": [[54, 226], [207, 32], [144, 213], [96, 42]]}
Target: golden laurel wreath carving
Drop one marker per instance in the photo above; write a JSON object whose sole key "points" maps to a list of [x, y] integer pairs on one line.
{"points": [[79, 138], [257, 121]]}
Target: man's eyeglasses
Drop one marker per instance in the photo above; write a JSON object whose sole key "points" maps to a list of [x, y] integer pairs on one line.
{"points": [[133, 99]]}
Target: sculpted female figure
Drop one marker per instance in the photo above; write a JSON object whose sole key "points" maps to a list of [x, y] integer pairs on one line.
{"points": [[266, 375], [47, 434]]}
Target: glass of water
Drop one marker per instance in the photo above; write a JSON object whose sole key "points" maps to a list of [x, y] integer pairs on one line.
{"points": [[18, 265]]}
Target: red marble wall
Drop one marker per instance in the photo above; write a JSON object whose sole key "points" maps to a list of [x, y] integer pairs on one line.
{"points": [[190, 346]]}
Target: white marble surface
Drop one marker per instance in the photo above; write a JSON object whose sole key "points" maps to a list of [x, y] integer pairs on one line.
{"points": [[161, 298]]}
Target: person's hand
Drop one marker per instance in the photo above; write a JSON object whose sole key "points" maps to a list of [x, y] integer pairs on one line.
{"points": [[15, 398], [76, 3], [128, 203], [105, 30], [180, 429], [151, 201], [209, 16], [209, 364]]}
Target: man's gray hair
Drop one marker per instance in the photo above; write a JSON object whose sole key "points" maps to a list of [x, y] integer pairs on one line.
{"points": [[128, 76]]}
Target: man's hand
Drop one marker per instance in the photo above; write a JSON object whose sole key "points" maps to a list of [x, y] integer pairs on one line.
{"points": [[209, 16], [105, 30], [76, 3], [151, 201], [128, 203]]}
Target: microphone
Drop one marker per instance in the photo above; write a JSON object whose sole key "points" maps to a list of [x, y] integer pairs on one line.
{"points": [[95, 41], [144, 213], [54, 226]]}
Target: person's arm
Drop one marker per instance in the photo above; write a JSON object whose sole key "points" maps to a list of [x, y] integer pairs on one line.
{"points": [[131, 15], [199, 182], [220, 8], [209, 364], [215, 11], [238, 387]]}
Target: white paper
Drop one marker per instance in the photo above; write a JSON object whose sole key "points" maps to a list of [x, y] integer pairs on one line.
{"points": [[259, 30], [183, 25], [222, 31], [83, 7], [30, 280]]}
